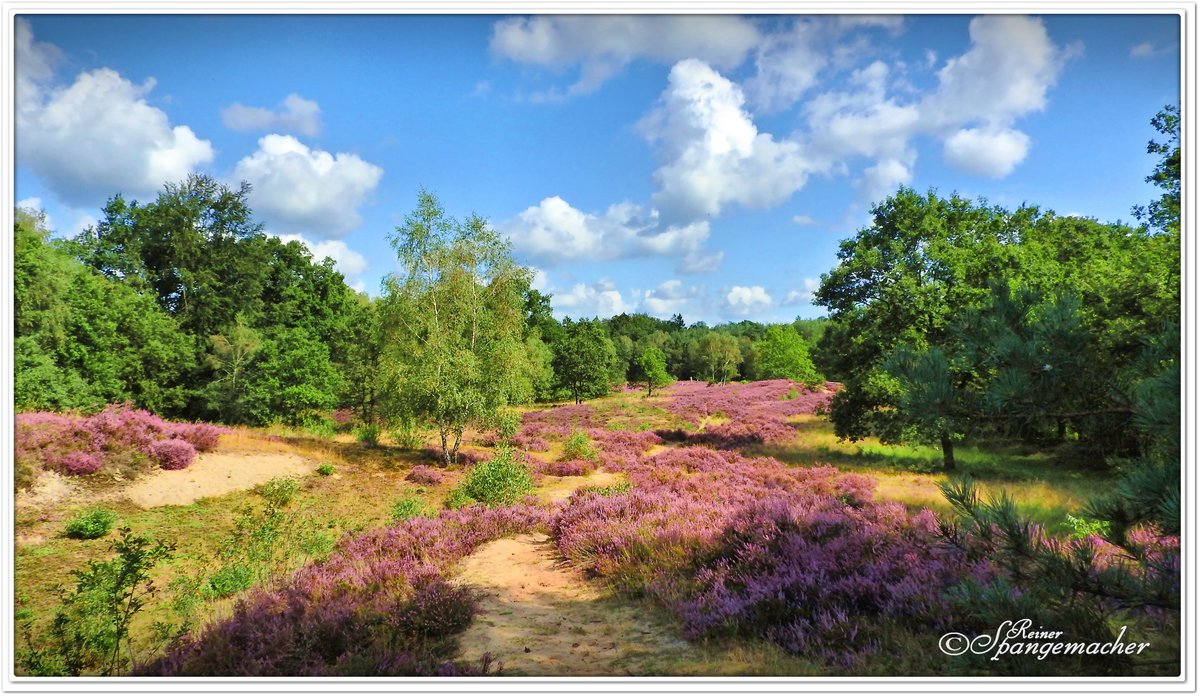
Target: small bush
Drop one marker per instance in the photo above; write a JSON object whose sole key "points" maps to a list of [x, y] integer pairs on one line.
{"points": [[92, 524], [229, 581], [173, 454], [203, 436], [368, 434], [507, 424], [408, 435], [325, 469], [456, 499], [579, 446], [279, 491], [502, 480], [1082, 527], [80, 463], [425, 475], [407, 508]]}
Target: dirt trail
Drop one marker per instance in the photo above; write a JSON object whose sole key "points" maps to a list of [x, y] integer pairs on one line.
{"points": [[540, 617]]}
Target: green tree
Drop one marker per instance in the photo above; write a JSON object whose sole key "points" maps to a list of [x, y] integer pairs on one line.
{"points": [[783, 354], [652, 369], [903, 281], [585, 359], [1163, 214], [454, 321], [720, 356]]}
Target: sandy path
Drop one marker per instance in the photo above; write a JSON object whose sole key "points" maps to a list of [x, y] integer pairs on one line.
{"points": [[214, 474], [540, 617]]}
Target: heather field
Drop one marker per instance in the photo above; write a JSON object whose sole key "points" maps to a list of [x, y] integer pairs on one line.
{"points": [[705, 530]]}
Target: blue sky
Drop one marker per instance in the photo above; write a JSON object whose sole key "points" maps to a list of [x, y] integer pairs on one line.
{"points": [[706, 165]]}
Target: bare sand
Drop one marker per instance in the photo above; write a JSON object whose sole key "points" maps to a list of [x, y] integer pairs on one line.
{"points": [[214, 474], [539, 616]]}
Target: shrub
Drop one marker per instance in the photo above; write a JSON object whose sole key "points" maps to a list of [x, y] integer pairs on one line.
{"points": [[502, 480], [325, 469], [173, 454], [92, 524], [407, 508], [579, 446], [90, 631], [425, 475], [229, 580], [80, 463], [203, 436], [408, 435], [278, 492], [368, 434], [456, 499]]}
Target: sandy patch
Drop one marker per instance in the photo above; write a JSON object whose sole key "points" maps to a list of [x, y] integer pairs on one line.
{"points": [[214, 474], [540, 617], [555, 488], [50, 488]]}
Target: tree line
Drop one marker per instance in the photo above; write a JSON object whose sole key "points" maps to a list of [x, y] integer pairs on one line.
{"points": [[186, 307]]}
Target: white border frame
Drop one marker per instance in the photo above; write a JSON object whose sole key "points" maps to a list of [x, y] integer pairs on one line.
{"points": [[1186, 683]]}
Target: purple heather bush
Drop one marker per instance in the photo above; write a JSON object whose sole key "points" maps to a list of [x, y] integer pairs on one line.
{"points": [[734, 545], [379, 605], [80, 445], [80, 463], [173, 454], [425, 475]]}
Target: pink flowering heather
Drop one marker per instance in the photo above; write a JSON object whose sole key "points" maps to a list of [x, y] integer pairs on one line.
{"points": [[49, 439], [754, 413], [203, 436], [425, 475], [173, 454], [735, 545], [80, 463], [379, 605]]}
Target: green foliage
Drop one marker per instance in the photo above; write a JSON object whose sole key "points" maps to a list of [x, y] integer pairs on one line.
{"points": [[453, 320], [229, 580], [501, 480], [782, 353], [91, 524], [90, 631], [506, 424], [1083, 527], [579, 446], [457, 498], [278, 492], [720, 355], [408, 434], [408, 507], [651, 369], [1163, 214], [619, 488], [325, 469], [585, 360], [368, 434], [1054, 584]]}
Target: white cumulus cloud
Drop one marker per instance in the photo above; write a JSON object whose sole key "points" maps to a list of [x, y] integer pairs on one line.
{"points": [[712, 152], [746, 301], [348, 262], [295, 114], [599, 299], [1011, 65], [315, 192], [991, 153], [803, 295], [98, 135], [555, 232], [602, 45]]}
